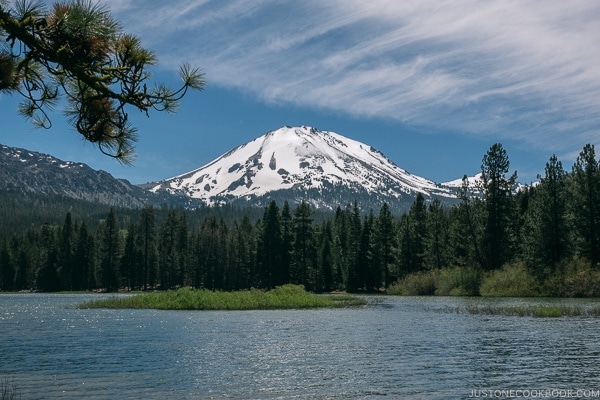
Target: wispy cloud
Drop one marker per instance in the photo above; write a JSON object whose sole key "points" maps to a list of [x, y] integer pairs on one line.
{"points": [[524, 70]]}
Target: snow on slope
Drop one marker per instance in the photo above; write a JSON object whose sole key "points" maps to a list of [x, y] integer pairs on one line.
{"points": [[474, 181], [297, 157]]}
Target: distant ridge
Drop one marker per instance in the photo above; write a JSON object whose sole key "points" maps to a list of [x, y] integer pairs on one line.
{"points": [[29, 171]]}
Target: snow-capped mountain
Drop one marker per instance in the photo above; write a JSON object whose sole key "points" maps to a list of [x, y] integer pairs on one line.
{"points": [[302, 163]]}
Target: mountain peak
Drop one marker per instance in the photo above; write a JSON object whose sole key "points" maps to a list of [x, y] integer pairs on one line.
{"points": [[300, 164]]}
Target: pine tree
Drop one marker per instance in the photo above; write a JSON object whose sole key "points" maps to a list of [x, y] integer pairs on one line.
{"points": [[222, 254], [131, 259], [405, 252], [436, 242], [286, 245], [196, 271], [77, 50], [109, 253], [326, 262], [172, 250], [84, 260], [47, 279], [418, 227], [270, 260], [241, 265], [546, 228], [341, 247], [148, 237], [413, 234], [385, 246], [368, 278], [466, 228], [22, 268], [586, 201], [66, 266], [497, 192], [354, 230], [212, 258], [7, 269], [303, 266]]}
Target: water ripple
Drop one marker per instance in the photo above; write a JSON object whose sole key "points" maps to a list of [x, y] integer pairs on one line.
{"points": [[398, 348]]}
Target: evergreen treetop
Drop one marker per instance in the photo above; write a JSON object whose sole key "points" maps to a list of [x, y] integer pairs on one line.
{"points": [[77, 51]]}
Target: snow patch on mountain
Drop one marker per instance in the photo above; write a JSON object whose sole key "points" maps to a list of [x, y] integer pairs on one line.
{"points": [[473, 181]]}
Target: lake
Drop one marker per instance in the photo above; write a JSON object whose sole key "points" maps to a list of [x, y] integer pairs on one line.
{"points": [[396, 347]]}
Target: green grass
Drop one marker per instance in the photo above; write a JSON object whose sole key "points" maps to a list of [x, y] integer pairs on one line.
{"points": [[538, 311], [282, 297]]}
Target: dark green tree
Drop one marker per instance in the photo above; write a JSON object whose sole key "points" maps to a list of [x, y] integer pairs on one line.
{"points": [[110, 248], [497, 191], [466, 228], [287, 239], [66, 250], [212, 254], [242, 254], [47, 279], [413, 234], [84, 260], [130, 261], [326, 261], [341, 247], [437, 240], [172, 250], [271, 269], [148, 237], [23, 266], [77, 50], [353, 238], [586, 203], [405, 251], [368, 278], [303, 266], [418, 226], [7, 269], [546, 228], [196, 273], [385, 242]]}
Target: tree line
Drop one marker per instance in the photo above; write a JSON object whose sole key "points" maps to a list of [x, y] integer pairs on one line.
{"points": [[543, 227]]}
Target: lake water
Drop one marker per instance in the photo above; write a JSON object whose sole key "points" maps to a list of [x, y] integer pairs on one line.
{"points": [[398, 347]]}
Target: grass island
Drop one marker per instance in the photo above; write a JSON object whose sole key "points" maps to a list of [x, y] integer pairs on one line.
{"points": [[281, 298]]}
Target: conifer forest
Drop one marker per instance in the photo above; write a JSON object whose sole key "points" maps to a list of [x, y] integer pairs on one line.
{"points": [[545, 236]]}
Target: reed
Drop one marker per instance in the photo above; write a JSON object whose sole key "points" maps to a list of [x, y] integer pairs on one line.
{"points": [[8, 390], [538, 310], [282, 297]]}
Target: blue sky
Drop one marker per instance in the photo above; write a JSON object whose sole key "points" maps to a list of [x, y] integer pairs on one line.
{"points": [[431, 84]]}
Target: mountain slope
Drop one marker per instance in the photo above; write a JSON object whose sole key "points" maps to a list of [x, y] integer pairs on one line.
{"points": [[28, 171], [303, 164]]}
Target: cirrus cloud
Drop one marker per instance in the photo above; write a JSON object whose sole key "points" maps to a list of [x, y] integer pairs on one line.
{"points": [[525, 70]]}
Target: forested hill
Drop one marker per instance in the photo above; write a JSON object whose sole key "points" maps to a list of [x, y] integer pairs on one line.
{"points": [[21, 212]]}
